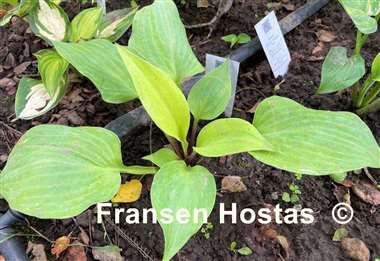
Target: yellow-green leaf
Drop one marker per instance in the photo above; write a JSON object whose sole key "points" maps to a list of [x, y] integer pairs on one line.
{"points": [[229, 136], [160, 96], [159, 36], [210, 95], [313, 142]]}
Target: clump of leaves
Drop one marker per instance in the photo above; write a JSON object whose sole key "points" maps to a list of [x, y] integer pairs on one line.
{"points": [[49, 21], [293, 196], [340, 71], [244, 251], [234, 39], [206, 229], [283, 133]]}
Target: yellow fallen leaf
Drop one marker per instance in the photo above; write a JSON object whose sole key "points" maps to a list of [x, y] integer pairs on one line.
{"points": [[128, 192], [60, 245]]}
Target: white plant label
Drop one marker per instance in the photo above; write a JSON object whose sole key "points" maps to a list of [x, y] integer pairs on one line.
{"points": [[274, 45], [213, 61]]}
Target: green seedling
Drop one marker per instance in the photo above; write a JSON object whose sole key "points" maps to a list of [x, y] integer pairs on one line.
{"points": [[43, 166], [338, 177], [298, 176], [244, 251], [340, 71], [206, 229], [293, 196], [234, 39]]}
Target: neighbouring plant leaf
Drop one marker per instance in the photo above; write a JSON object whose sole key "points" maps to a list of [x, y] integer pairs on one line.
{"points": [[244, 38], [313, 142], [52, 68], [107, 253], [48, 21], [231, 38], [161, 157], [210, 95], [229, 136], [362, 14], [340, 72], [168, 47], [57, 172], [116, 23], [174, 188], [160, 96], [33, 99], [128, 192], [85, 24], [20, 10], [375, 70], [100, 61]]}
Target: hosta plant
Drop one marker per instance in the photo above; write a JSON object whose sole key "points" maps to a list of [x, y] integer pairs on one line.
{"points": [[49, 21], [65, 170], [340, 71]]}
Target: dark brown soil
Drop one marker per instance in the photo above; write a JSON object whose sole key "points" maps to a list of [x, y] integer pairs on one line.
{"points": [[265, 184]]}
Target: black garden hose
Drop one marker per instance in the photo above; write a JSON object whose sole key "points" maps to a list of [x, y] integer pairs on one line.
{"points": [[12, 249], [10, 246]]}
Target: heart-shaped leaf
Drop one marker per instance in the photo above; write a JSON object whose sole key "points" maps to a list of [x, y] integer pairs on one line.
{"points": [[173, 190], [167, 47], [56, 171], [210, 95], [340, 72], [375, 70], [229, 136], [313, 142], [160, 96], [111, 78]]}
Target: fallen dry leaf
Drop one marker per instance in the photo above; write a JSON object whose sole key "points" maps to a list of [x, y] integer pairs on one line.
{"points": [[325, 36], [318, 49], [60, 245], [83, 236], [107, 253], [21, 68], [202, 3], [282, 240], [128, 192], [74, 118], [355, 249], [75, 253], [37, 251], [367, 192], [7, 82], [233, 184], [290, 7]]}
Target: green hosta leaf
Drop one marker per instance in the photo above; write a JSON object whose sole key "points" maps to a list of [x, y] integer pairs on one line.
{"points": [[313, 142], [49, 21], [210, 95], [56, 171], [160, 96], [173, 188], [52, 67], [229, 136], [159, 36], [161, 157], [85, 24], [375, 71], [362, 12], [33, 99], [116, 23], [340, 72], [100, 61]]}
